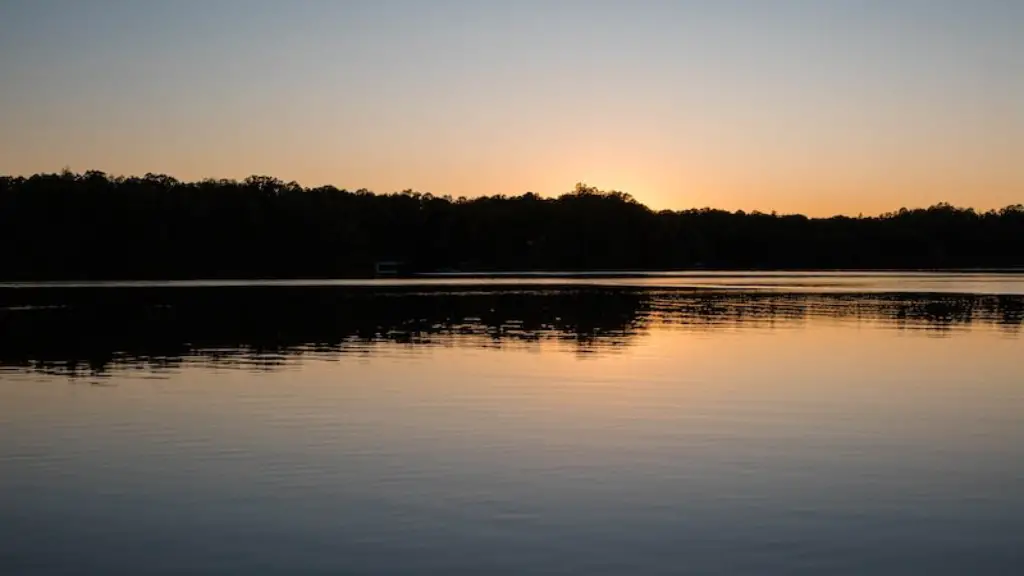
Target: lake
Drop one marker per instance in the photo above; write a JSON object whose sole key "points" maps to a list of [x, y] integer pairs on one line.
{"points": [[705, 423]]}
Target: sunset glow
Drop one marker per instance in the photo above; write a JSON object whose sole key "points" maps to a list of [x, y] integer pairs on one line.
{"points": [[813, 107]]}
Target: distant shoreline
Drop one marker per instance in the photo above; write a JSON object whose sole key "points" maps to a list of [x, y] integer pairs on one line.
{"points": [[719, 272], [440, 278], [92, 226]]}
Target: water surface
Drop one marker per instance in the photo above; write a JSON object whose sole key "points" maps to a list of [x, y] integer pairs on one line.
{"points": [[977, 282], [872, 425]]}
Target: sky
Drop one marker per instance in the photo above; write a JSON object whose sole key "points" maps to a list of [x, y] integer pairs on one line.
{"points": [[819, 107]]}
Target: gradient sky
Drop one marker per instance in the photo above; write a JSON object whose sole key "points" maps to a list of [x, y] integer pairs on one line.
{"points": [[811, 106]]}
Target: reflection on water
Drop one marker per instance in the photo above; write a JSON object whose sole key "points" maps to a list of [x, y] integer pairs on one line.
{"points": [[875, 282], [532, 429], [92, 330]]}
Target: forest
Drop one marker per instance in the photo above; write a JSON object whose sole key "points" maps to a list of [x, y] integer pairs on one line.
{"points": [[93, 226]]}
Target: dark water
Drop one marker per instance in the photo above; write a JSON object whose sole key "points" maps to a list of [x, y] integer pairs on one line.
{"points": [[812, 424]]}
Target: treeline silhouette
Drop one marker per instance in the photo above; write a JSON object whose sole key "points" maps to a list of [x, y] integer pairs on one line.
{"points": [[91, 226], [89, 331]]}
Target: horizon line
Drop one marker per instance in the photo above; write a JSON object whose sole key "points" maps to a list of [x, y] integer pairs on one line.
{"points": [[110, 177]]}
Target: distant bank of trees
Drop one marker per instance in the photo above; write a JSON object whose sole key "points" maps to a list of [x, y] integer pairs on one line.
{"points": [[93, 226]]}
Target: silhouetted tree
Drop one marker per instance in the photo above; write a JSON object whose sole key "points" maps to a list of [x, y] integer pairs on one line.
{"points": [[95, 226]]}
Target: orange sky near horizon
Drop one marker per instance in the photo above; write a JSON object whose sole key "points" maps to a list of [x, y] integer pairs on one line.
{"points": [[818, 108]]}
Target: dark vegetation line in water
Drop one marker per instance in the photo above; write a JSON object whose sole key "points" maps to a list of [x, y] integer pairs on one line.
{"points": [[91, 226], [85, 331]]}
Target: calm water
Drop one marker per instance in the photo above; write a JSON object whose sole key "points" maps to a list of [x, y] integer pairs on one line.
{"points": [[709, 424]]}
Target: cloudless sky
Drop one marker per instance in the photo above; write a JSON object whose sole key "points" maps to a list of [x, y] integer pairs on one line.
{"points": [[814, 106]]}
